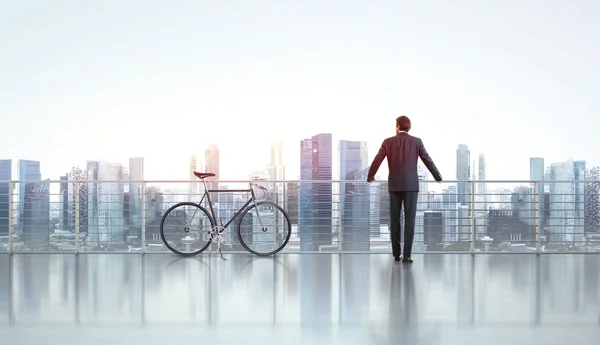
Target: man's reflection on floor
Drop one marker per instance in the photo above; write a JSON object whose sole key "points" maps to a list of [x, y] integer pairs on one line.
{"points": [[404, 325]]}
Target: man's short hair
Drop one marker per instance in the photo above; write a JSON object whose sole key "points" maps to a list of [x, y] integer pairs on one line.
{"points": [[403, 123]]}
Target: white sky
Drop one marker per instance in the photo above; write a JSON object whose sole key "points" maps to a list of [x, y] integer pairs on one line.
{"points": [[84, 80]]}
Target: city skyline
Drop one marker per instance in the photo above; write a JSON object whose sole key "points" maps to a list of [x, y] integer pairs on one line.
{"points": [[111, 212], [468, 170]]}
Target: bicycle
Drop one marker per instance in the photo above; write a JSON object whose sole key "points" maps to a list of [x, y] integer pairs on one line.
{"points": [[193, 233]]}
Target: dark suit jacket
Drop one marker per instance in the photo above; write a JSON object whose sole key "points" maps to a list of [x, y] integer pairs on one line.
{"points": [[403, 152]]}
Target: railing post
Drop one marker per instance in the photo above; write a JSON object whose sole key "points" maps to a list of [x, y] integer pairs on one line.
{"points": [[143, 232], [473, 222], [537, 216], [11, 220], [77, 215]]}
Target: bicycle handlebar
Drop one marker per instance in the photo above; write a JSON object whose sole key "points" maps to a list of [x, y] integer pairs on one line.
{"points": [[260, 187]]}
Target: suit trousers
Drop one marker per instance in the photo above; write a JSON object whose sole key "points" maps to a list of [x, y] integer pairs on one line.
{"points": [[409, 201]]}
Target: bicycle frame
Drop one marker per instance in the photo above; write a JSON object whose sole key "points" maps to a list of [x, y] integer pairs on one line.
{"points": [[252, 200]]}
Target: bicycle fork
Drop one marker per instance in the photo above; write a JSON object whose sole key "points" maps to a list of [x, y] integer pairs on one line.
{"points": [[219, 239], [262, 226]]}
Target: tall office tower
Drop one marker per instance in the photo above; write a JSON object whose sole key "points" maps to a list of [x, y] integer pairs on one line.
{"points": [[305, 197], [355, 198], [63, 218], [211, 159], [293, 194], [353, 159], [276, 172], [384, 202], [463, 170], [537, 173], [106, 204], [592, 201], [35, 221], [433, 230], [562, 202], [315, 198], [194, 184], [451, 216], [276, 168], [481, 199], [91, 173], [28, 172], [5, 202], [136, 193], [580, 177], [482, 177], [375, 210], [422, 199], [522, 204], [75, 200], [154, 212]]}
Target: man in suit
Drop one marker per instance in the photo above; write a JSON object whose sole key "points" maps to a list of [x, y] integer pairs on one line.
{"points": [[403, 152]]}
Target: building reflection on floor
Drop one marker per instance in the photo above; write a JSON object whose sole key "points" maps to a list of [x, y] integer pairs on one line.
{"points": [[300, 298]]}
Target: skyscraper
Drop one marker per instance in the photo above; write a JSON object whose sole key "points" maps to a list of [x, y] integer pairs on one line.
{"points": [[315, 226], [592, 201], [353, 159], [355, 198], [136, 193], [463, 172], [28, 172], [35, 223], [451, 216], [211, 159], [92, 176], [579, 186], [481, 205], [276, 168], [64, 203], [433, 232], [194, 185], [305, 197], [106, 204], [5, 202], [292, 208], [481, 185], [537, 173], [276, 172], [422, 199], [75, 176], [562, 202]]}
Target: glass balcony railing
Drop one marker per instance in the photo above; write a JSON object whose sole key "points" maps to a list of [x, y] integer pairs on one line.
{"points": [[325, 216]]}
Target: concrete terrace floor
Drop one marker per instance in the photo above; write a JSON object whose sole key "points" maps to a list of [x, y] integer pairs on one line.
{"points": [[299, 299]]}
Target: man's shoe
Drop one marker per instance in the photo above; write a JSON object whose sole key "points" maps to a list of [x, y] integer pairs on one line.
{"points": [[407, 259], [396, 258]]}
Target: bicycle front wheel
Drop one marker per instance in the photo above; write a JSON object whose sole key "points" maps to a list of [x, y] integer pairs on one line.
{"points": [[186, 228], [264, 229]]}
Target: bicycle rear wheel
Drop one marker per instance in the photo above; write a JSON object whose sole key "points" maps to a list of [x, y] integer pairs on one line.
{"points": [[268, 240], [186, 228]]}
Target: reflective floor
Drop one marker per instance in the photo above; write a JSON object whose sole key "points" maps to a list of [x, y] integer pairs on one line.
{"points": [[299, 299]]}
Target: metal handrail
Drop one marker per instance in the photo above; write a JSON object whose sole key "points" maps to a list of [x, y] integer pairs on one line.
{"points": [[296, 181]]}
